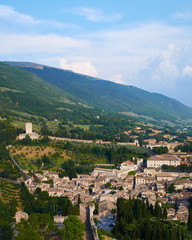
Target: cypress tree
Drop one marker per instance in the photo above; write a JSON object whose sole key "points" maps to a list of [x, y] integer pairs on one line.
{"points": [[178, 233], [157, 211], [189, 223], [144, 210], [159, 230], [166, 233], [151, 209], [172, 235], [154, 233], [182, 234], [147, 230], [165, 213]]}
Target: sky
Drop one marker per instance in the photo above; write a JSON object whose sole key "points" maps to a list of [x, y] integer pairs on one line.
{"points": [[147, 44]]}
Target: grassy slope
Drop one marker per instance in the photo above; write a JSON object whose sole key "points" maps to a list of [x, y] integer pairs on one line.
{"points": [[111, 96], [24, 91]]}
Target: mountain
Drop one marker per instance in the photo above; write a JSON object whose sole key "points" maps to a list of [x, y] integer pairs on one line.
{"points": [[108, 95], [25, 92]]}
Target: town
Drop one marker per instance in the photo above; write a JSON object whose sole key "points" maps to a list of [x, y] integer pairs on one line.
{"points": [[104, 186], [151, 180]]}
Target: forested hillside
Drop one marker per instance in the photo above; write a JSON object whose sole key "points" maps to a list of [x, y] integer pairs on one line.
{"points": [[110, 96]]}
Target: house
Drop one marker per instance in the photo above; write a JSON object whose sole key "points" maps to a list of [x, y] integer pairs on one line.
{"points": [[139, 180], [104, 172], [106, 204], [164, 176], [150, 141], [170, 213], [182, 214], [128, 165]]}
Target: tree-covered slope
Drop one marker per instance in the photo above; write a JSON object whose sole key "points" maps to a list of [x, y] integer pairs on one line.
{"points": [[23, 91], [110, 96]]}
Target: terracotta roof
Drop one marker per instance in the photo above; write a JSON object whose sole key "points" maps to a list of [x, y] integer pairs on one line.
{"points": [[128, 162]]}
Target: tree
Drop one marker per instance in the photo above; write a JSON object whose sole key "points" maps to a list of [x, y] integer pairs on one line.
{"points": [[27, 231], [27, 139], [172, 234], [37, 190], [182, 234], [6, 232], [189, 223], [147, 230], [79, 200], [165, 212], [171, 188], [43, 223], [73, 230], [157, 211], [108, 185], [39, 163]]}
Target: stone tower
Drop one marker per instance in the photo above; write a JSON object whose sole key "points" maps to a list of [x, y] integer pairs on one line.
{"points": [[28, 127]]}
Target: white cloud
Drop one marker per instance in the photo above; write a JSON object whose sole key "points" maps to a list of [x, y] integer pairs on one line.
{"points": [[83, 67], [12, 17], [167, 66], [169, 69], [94, 15], [118, 78], [183, 16], [7, 12], [48, 43], [187, 70]]}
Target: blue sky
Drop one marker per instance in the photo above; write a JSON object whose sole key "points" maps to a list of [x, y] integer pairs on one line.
{"points": [[147, 44]]}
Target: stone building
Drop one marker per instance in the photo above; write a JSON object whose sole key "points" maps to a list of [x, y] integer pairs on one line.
{"points": [[159, 160], [29, 132]]}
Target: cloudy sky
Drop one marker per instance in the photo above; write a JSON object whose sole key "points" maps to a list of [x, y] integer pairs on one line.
{"points": [[147, 44]]}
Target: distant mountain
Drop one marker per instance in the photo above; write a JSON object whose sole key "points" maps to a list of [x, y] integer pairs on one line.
{"points": [[108, 95], [25, 92]]}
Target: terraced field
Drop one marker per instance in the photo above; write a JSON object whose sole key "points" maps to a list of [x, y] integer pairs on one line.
{"points": [[8, 191]]}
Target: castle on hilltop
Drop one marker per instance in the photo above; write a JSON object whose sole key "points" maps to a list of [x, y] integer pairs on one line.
{"points": [[29, 132]]}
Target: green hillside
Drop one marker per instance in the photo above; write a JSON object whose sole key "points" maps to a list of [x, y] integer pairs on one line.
{"points": [[111, 96], [26, 92]]}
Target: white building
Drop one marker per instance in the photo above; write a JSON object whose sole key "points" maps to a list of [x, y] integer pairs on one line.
{"points": [[164, 159], [29, 132], [128, 165], [104, 172], [28, 127]]}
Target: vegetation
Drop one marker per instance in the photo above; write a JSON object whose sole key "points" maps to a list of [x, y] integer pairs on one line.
{"points": [[160, 150], [40, 202], [73, 230], [7, 212], [35, 155], [179, 168], [10, 192], [171, 188], [138, 220], [187, 147], [38, 226], [119, 98], [7, 135]]}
